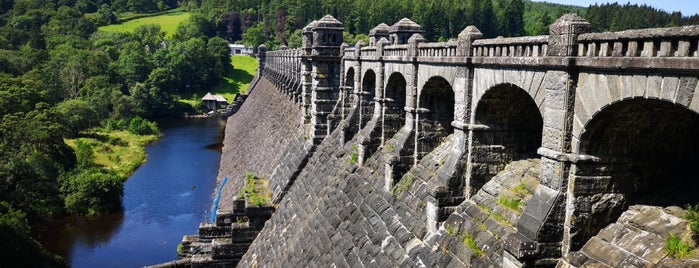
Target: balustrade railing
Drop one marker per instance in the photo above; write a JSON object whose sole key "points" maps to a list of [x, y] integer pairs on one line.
{"points": [[395, 51], [647, 43], [528, 46], [442, 49]]}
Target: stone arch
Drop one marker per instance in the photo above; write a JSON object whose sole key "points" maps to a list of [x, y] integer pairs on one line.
{"points": [[394, 105], [366, 97], [508, 127], [642, 150], [352, 118], [435, 114]]}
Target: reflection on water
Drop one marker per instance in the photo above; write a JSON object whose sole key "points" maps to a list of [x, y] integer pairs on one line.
{"points": [[164, 199]]}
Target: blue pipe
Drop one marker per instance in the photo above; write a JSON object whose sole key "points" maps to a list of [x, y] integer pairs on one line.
{"points": [[218, 196]]}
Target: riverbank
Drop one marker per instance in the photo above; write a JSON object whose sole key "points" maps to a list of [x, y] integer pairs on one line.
{"points": [[119, 151], [164, 198]]}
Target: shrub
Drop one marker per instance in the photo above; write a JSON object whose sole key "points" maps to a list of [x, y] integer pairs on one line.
{"points": [[692, 215], [675, 247], [115, 124], [140, 126], [93, 191]]}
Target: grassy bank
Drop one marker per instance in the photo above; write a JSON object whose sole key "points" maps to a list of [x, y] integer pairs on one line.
{"points": [[237, 81], [119, 151], [168, 23]]}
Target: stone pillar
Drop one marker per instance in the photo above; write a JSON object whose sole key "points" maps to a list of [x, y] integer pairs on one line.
{"points": [[464, 122], [541, 226], [411, 115], [325, 74], [262, 59]]}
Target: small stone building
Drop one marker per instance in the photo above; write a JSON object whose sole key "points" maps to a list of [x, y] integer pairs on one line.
{"points": [[213, 102]]}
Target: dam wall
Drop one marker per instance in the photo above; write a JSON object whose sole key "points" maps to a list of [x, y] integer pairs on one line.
{"points": [[561, 150]]}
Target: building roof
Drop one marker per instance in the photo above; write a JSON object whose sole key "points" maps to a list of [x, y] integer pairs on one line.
{"points": [[220, 98], [208, 97]]}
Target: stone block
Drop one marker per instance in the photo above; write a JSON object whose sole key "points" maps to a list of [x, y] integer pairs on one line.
{"points": [[604, 252]]}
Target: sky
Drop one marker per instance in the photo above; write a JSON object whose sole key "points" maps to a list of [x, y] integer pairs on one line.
{"points": [[687, 7]]}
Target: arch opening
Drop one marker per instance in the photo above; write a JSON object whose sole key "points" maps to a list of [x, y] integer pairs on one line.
{"points": [[511, 129], [394, 106], [366, 98], [349, 114], [436, 112], [647, 149]]}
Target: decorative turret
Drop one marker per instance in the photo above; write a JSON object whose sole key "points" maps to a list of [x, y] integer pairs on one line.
{"points": [[401, 31], [378, 32], [327, 32]]}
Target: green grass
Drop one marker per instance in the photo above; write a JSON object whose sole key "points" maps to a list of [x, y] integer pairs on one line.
{"points": [[120, 151], [168, 23], [512, 203], [470, 242], [237, 81], [256, 190], [678, 249]]}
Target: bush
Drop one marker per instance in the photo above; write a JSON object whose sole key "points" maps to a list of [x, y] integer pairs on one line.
{"points": [[140, 126], [93, 192], [692, 216], [115, 124]]}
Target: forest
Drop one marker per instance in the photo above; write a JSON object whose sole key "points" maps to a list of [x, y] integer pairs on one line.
{"points": [[279, 22], [61, 78]]}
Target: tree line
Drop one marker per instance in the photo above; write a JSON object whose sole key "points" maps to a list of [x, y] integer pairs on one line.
{"points": [[59, 77], [276, 23]]}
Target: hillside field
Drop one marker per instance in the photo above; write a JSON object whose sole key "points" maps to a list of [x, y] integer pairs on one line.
{"points": [[168, 23]]}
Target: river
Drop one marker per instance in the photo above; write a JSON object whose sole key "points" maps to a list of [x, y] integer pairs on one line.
{"points": [[165, 198]]}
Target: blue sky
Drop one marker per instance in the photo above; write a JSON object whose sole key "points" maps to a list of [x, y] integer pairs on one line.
{"points": [[687, 7]]}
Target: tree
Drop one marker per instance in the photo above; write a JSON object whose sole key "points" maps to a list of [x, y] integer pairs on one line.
{"points": [[254, 36], [149, 36], [75, 116], [132, 66], [230, 22]]}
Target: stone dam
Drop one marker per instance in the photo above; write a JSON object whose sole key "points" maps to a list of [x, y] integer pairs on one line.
{"points": [[572, 149]]}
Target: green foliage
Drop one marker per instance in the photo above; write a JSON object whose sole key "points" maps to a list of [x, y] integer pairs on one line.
{"points": [[254, 192], [512, 203], [92, 191], [75, 116], [404, 184], [470, 242], [692, 215], [179, 248], [255, 36], [449, 231], [677, 248], [113, 124], [141, 126], [354, 157], [18, 248], [520, 190]]}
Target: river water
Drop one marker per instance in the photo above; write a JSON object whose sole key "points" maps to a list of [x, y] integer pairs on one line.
{"points": [[166, 198]]}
